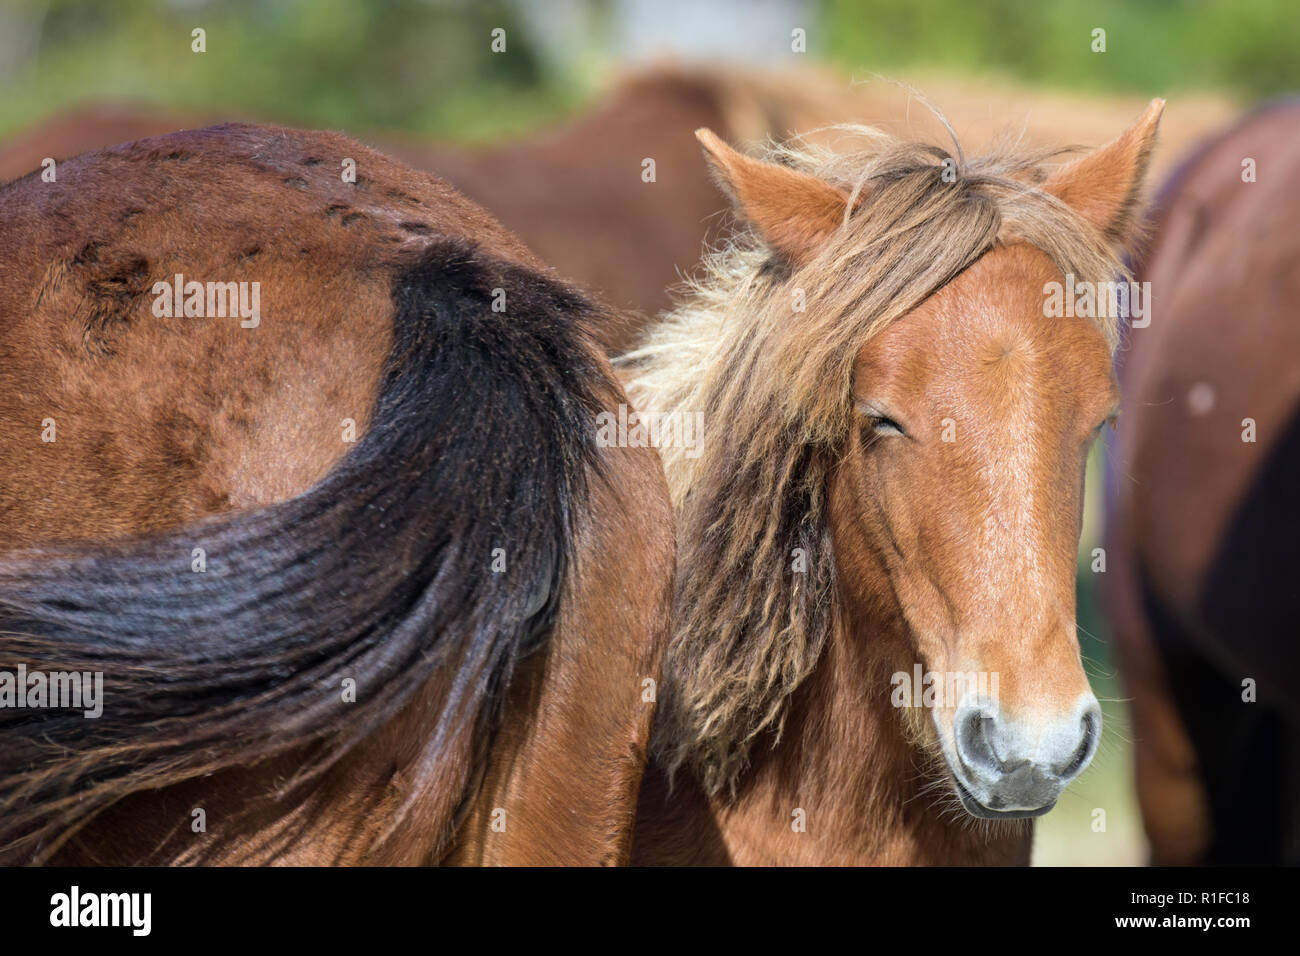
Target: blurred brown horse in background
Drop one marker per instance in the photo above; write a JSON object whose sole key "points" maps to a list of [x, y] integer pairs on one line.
{"points": [[360, 581], [1203, 526], [576, 195]]}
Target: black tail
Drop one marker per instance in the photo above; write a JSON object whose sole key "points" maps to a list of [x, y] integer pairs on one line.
{"points": [[482, 438]]}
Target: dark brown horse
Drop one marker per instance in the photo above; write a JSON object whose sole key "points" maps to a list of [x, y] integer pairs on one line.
{"points": [[1203, 518], [305, 471], [874, 656]]}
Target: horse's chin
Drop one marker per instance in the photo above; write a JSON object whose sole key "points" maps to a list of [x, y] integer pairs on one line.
{"points": [[981, 812]]}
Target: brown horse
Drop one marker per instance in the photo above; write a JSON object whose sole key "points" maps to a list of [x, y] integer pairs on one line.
{"points": [[885, 514], [305, 471], [1203, 517]]}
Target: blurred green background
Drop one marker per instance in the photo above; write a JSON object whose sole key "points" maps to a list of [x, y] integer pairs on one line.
{"points": [[426, 66]]}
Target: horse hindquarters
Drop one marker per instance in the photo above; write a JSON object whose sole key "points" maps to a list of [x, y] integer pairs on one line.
{"points": [[327, 565]]}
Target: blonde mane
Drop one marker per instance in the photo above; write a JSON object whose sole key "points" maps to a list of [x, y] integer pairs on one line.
{"points": [[774, 384]]}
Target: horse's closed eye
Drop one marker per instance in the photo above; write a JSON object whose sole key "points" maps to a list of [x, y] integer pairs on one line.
{"points": [[885, 426], [877, 422]]}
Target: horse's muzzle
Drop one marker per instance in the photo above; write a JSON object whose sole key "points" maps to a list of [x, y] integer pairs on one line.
{"points": [[1007, 769]]}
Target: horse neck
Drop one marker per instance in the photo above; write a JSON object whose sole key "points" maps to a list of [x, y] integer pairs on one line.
{"points": [[868, 793]]}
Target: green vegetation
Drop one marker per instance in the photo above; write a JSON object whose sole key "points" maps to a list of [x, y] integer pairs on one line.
{"points": [[404, 64], [426, 65], [1247, 47]]}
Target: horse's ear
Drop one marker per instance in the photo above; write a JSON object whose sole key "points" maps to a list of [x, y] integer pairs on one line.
{"points": [[793, 211], [1103, 186]]}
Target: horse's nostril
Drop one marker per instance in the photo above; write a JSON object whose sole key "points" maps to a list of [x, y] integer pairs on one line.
{"points": [[1091, 723], [1015, 756], [974, 739]]}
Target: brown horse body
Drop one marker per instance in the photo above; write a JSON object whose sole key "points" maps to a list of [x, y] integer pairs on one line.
{"points": [[893, 484], [1202, 525], [497, 713]]}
